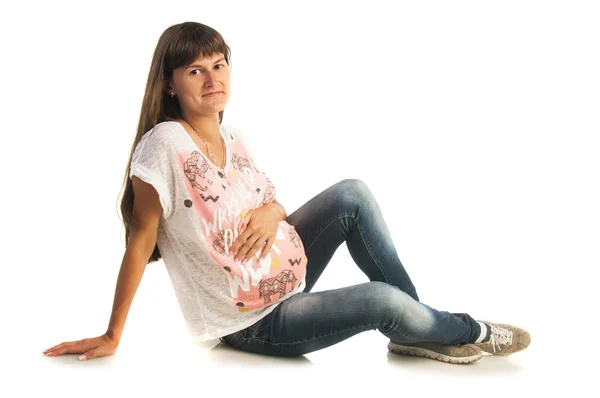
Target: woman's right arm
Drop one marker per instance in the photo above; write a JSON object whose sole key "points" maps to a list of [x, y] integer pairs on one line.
{"points": [[142, 240]]}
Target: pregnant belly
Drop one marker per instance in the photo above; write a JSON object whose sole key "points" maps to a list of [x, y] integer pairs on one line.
{"points": [[288, 245], [257, 283]]}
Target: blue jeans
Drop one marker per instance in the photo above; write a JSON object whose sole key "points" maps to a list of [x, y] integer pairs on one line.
{"points": [[348, 212]]}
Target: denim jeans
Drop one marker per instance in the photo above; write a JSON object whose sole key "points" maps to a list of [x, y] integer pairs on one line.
{"points": [[348, 212]]}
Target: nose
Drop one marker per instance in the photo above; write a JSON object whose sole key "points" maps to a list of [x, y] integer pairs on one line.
{"points": [[211, 77]]}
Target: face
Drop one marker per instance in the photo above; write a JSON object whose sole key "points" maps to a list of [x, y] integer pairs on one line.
{"points": [[192, 83]]}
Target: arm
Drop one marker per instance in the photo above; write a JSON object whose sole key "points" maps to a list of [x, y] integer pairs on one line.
{"points": [[146, 211]]}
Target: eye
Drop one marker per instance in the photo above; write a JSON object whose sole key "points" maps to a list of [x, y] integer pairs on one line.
{"points": [[192, 72]]}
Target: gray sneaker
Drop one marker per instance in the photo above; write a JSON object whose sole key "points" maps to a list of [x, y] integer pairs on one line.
{"points": [[505, 339], [460, 354]]}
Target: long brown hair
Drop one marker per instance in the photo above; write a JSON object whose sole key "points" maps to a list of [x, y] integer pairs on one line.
{"points": [[179, 45]]}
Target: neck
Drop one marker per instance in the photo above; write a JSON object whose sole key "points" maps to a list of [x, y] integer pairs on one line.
{"points": [[206, 126]]}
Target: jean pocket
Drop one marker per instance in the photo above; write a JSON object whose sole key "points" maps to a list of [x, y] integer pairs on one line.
{"points": [[255, 329], [261, 329], [234, 338]]}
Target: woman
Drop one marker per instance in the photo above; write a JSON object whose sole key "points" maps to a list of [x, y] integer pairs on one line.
{"points": [[241, 268]]}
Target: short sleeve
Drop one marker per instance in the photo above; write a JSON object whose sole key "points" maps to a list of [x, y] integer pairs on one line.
{"points": [[151, 163]]}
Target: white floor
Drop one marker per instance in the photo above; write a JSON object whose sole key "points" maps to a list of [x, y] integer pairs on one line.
{"points": [[157, 356], [358, 365]]}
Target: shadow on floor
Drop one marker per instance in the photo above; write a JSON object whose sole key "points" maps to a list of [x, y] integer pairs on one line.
{"points": [[225, 354]]}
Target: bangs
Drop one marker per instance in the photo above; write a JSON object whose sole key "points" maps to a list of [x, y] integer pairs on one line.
{"points": [[191, 43]]}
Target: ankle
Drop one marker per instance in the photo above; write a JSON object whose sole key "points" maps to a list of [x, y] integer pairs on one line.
{"points": [[484, 333]]}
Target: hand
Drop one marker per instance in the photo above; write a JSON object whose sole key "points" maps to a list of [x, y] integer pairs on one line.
{"points": [[90, 348], [257, 230]]}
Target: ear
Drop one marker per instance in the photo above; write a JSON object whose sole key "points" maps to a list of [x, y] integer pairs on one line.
{"points": [[167, 87]]}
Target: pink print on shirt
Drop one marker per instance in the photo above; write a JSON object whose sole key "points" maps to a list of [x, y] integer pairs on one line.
{"points": [[220, 199]]}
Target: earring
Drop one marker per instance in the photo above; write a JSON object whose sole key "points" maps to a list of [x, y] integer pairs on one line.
{"points": [[172, 93]]}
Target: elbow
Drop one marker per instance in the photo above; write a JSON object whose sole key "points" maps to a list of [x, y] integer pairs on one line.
{"points": [[143, 242]]}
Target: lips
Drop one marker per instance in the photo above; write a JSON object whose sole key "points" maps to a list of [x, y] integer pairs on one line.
{"points": [[213, 94]]}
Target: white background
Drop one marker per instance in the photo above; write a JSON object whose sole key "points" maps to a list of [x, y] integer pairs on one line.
{"points": [[474, 123]]}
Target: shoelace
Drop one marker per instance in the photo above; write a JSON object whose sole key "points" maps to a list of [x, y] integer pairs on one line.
{"points": [[500, 336]]}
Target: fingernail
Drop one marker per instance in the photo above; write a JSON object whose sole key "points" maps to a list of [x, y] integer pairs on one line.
{"points": [[82, 358]]}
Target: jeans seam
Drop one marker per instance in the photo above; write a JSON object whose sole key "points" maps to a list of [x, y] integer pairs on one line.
{"points": [[329, 223], [310, 339], [371, 253], [403, 333], [256, 339]]}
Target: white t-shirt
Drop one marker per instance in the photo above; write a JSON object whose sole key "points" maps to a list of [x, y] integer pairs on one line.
{"points": [[202, 208]]}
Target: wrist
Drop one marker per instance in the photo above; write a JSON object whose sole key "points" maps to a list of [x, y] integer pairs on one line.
{"points": [[113, 335], [282, 215]]}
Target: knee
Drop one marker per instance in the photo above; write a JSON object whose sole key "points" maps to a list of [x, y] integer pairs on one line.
{"points": [[352, 192], [390, 304], [353, 186], [384, 299]]}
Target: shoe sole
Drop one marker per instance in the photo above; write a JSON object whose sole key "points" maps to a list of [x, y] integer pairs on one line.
{"points": [[422, 352]]}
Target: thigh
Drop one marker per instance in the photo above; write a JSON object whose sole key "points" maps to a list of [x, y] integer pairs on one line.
{"points": [[317, 224], [348, 212]]}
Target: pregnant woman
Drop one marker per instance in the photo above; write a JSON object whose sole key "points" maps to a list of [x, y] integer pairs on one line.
{"points": [[241, 268]]}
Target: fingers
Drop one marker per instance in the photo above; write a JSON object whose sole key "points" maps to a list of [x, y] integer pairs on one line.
{"points": [[239, 241], [242, 242], [258, 245], [241, 227], [90, 354], [267, 248], [70, 347], [251, 245], [248, 249], [90, 348], [244, 222], [233, 249]]}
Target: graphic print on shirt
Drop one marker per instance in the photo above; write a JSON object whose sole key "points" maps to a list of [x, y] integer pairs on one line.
{"points": [[221, 198], [239, 162], [276, 285], [195, 169]]}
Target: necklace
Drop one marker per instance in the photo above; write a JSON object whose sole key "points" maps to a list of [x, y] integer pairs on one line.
{"points": [[210, 152]]}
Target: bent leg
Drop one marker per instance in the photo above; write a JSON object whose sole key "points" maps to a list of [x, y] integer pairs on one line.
{"points": [[348, 212]]}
